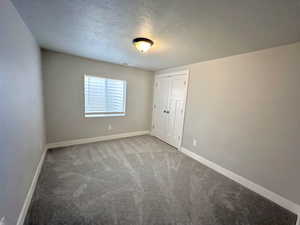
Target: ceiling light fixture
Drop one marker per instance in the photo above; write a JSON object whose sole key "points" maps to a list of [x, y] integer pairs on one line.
{"points": [[142, 44]]}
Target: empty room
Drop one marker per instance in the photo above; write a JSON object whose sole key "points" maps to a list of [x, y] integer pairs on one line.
{"points": [[149, 112]]}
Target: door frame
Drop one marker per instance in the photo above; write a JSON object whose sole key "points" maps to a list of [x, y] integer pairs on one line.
{"points": [[182, 72]]}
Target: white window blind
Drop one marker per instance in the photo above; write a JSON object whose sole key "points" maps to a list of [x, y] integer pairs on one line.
{"points": [[104, 97]]}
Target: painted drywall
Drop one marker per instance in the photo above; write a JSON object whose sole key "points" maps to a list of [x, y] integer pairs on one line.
{"points": [[21, 111], [244, 113], [64, 98]]}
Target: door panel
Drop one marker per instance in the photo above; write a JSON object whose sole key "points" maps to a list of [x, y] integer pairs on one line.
{"points": [[178, 87], [175, 122], [161, 105]]}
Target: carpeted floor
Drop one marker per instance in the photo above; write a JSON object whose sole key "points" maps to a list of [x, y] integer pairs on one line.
{"points": [[142, 181]]}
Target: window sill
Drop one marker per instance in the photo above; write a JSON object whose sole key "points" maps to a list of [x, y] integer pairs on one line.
{"points": [[104, 115]]}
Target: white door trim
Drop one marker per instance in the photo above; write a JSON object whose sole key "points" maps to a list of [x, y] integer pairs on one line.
{"points": [[181, 72], [173, 73]]}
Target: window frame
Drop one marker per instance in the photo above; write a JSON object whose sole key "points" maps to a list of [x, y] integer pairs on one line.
{"points": [[104, 114]]}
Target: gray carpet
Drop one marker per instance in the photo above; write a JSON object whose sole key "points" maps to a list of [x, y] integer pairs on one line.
{"points": [[142, 181]]}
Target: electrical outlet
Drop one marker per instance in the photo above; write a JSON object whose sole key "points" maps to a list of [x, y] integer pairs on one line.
{"points": [[2, 221], [109, 127], [194, 142]]}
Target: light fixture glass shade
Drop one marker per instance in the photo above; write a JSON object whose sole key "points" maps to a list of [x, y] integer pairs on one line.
{"points": [[142, 44]]}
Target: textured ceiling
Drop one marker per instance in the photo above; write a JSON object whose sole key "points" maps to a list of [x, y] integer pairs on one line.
{"points": [[184, 31]]}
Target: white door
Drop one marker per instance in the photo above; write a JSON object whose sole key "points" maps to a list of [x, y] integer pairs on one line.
{"points": [[162, 87], [169, 107], [176, 100]]}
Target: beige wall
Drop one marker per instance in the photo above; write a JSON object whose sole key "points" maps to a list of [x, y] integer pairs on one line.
{"points": [[244, 112], [21, 111], [64, 98]]}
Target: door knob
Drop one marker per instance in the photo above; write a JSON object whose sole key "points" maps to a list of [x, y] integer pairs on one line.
{"points": [[168, 111]]}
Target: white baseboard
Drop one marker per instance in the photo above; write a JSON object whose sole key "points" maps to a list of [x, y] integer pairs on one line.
{"points": [[95, 139], [30, 192], [285, 203]]}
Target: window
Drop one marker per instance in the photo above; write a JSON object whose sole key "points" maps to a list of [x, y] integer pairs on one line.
{"points": [[104, 97]]}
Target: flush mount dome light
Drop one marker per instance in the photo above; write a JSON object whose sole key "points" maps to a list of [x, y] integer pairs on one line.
{"points": [[142, 44]]}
